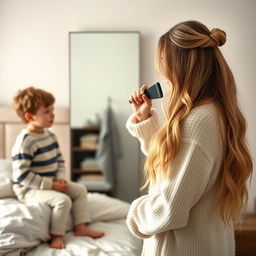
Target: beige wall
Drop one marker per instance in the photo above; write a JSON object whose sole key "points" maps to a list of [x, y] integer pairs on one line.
{"points": [[34, 41]]}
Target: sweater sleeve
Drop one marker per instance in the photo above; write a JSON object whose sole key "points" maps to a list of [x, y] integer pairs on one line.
{"points": [[61, 174], [21, 162], [61, 171], [169, 208], [143, 130]]}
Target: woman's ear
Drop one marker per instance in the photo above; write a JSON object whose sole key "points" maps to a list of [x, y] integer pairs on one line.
{"points": [[28, 116]]}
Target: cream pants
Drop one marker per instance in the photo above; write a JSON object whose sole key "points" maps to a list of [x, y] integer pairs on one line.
{"points": [[75, 199]]}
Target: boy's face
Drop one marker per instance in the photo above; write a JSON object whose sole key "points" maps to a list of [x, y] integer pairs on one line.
{"points": [[43, 118]]}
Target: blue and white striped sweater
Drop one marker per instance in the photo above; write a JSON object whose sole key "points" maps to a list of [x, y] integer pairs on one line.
{"points": [[36, 161]]}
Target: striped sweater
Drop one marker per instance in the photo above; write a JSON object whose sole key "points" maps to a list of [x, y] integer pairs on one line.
{"points": [[178, 217], [36, 161]]}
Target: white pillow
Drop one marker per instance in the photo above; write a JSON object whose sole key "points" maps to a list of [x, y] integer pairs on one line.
{"points": [[6, 179], [104, 208]]}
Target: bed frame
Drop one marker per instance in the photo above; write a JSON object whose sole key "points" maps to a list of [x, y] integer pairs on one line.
{"points": [[10, 126]]}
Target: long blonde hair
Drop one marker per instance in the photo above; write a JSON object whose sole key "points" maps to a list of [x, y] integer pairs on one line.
{"points": [[188, 56]]}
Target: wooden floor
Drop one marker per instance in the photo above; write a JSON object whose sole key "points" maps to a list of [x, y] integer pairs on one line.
{"points": [[245, 236]]}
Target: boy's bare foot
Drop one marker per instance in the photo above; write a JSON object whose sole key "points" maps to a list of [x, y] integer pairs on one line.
{"points": [[83, 230], [57, 242]]}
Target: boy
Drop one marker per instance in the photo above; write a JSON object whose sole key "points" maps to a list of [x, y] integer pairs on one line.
{"points": [[38, 167]]}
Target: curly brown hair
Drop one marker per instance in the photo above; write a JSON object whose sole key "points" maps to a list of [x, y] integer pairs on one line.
{"points": [[30, 100]]}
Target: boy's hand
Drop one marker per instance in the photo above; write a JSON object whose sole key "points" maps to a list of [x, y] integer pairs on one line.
{"points": [[61, 181], [60, 185]]}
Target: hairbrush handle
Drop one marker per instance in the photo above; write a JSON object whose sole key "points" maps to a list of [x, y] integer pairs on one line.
{"points": [[153, 92]]}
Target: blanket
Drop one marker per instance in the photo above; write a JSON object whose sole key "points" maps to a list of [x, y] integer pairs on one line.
{"points": [[24, 230]]}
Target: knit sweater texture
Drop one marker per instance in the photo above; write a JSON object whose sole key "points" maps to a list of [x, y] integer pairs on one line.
{"points": [[178, 215], [36, 161]]}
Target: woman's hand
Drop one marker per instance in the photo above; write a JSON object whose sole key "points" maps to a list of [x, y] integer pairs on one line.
{"points": [[60, 185], [141, 105]]}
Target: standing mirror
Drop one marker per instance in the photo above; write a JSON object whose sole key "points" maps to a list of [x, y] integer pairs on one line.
{"points": [[104, 71]]}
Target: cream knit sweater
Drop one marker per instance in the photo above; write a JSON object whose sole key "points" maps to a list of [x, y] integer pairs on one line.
{"points": [[177, 217]]}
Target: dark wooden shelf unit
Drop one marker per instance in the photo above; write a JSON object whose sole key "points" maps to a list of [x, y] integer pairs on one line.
{"points": [[79, 154]]}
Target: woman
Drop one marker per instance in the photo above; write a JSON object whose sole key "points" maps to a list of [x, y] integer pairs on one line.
{"points": [[197, 163]]}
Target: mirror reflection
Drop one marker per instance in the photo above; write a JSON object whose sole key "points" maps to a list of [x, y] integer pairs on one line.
{"points": [[104, 71]]}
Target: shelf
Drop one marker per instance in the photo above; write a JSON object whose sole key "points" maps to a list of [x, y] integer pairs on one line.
{"points": [[80, 149], [87, 128], [92, 169]]}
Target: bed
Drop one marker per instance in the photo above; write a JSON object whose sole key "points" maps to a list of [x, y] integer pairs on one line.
{"points": [[24, 228]]}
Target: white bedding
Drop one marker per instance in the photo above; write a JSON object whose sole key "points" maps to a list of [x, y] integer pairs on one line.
{"points": [[25, 228]]}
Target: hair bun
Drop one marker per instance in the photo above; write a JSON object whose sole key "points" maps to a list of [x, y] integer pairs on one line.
{"points": [[218, 36]]}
